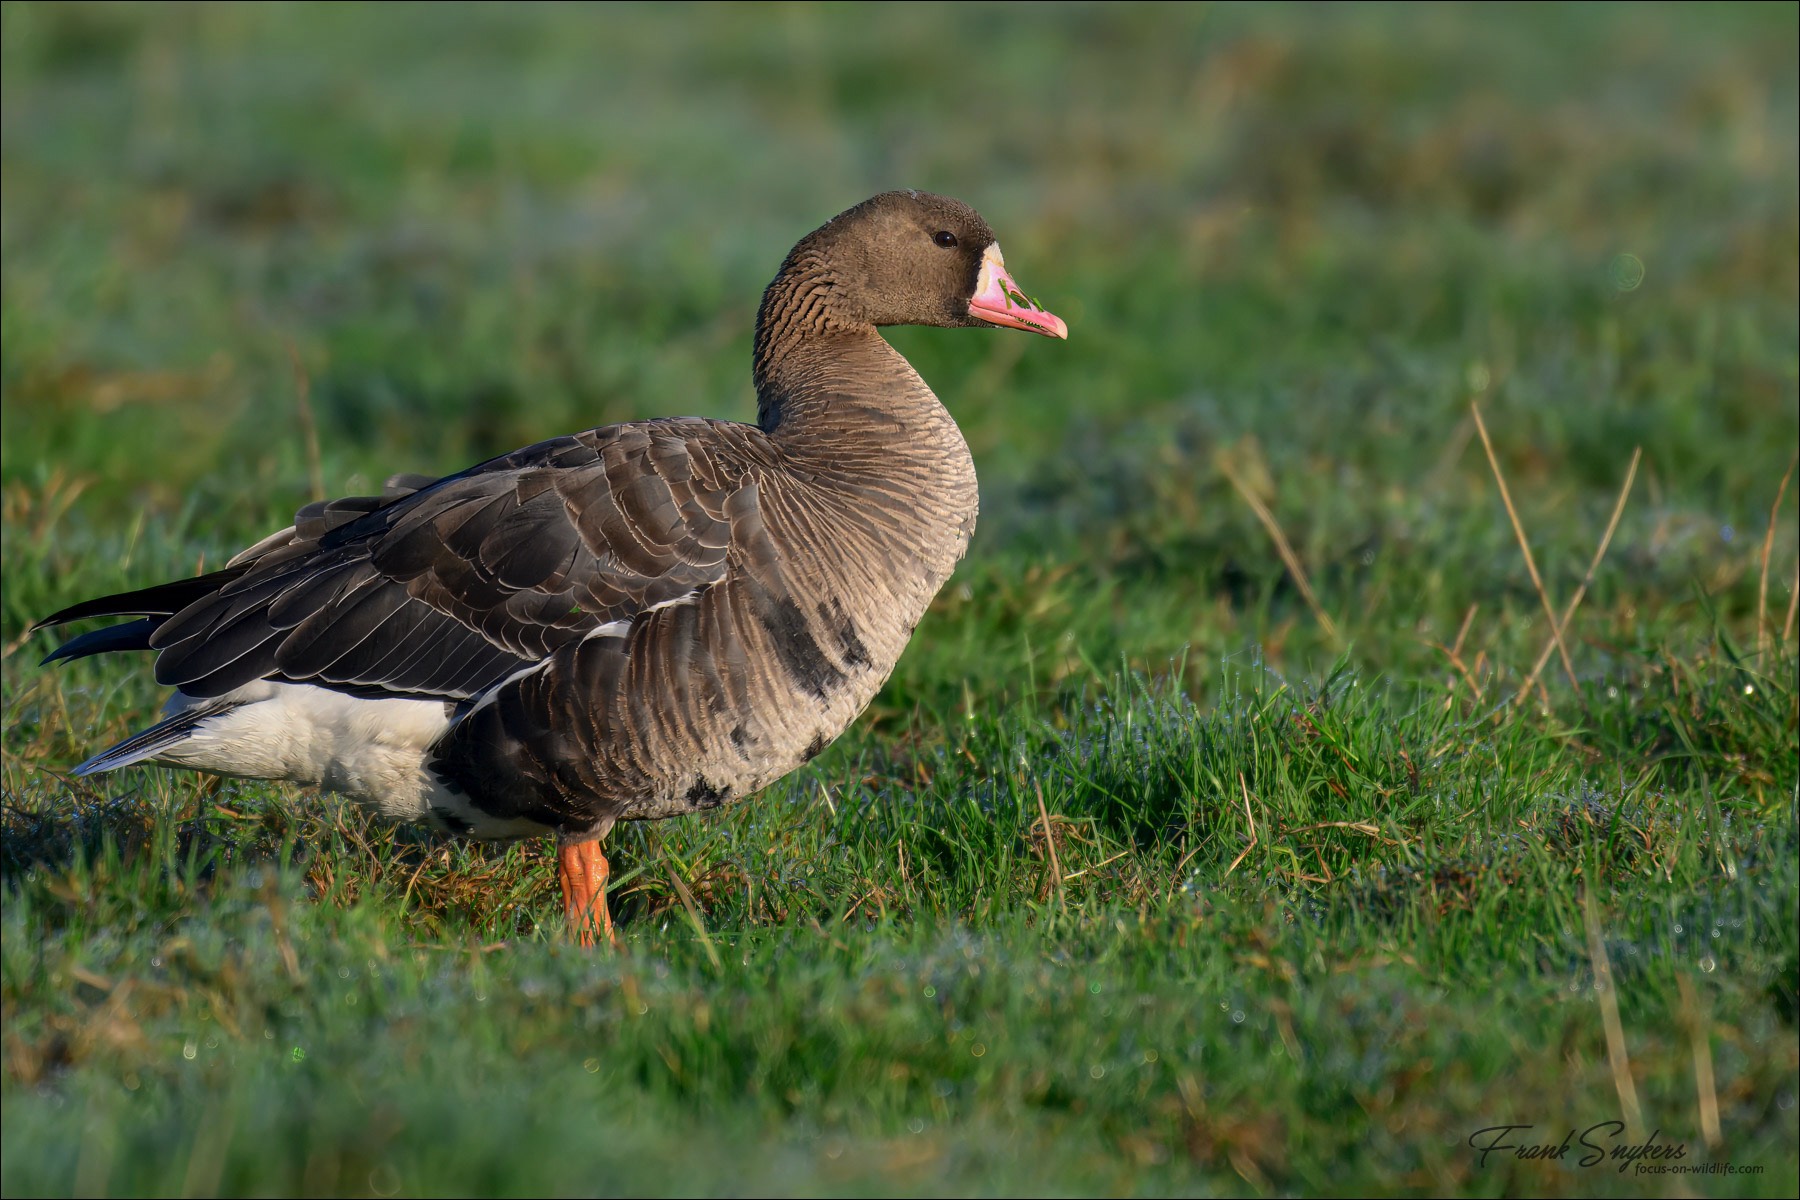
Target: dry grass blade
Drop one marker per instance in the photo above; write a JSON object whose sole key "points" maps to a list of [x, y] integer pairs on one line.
{"points": [[290, 961], [855, 904], [1762, 584], [1612, 526], [1182, 864], [1616, 1056], [212, 1138], [1286, 551], [905, 875], [1462, 632], [1537, 580], [1056, 874], [309, 426], [1363, 827], [1454, 654], [1248, 816], [1462, 673], [1706, 1092], [693, 912], [1096, 866]]}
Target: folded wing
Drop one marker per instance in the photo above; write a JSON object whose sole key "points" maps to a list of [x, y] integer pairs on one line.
{"points": [[444, 588]]}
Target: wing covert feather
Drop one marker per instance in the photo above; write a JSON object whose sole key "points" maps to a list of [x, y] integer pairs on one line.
{"points": [[444, 588]]}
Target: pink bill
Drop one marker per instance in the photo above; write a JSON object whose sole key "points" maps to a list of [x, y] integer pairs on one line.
{"points": [[1000, 301]]}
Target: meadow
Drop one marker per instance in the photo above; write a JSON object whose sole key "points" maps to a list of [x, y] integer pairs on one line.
{"points": [[1250, 814]]}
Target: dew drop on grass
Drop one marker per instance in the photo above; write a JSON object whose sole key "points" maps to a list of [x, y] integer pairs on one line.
{"points": [[189, 1050], [1678, 927], [916, 1125], [1097, 1071], [1237, 1017], [1707, 964], [384, 1180], [1627, 271]]}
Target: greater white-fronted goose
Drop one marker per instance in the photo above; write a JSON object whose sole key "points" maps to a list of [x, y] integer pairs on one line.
{"points": [[634, 622]]}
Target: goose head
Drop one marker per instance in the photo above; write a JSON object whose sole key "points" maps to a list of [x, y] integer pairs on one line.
{"points": [[912, 258]]}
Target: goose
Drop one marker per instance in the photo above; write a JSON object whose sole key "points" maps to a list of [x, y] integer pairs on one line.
{"points": [[636, 622]]}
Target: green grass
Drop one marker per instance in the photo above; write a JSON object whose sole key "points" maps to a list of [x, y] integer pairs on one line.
{"points": [[1134, 878]]}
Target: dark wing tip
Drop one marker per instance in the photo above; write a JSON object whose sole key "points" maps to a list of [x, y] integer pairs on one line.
{"points": [[163, 600], [133, 635]]}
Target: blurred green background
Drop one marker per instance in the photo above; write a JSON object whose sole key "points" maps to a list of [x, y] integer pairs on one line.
{"points": [[485, 224], [1293, 244]]}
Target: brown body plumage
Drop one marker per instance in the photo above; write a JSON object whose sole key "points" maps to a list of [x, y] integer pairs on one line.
{"points": [[634, 622]]}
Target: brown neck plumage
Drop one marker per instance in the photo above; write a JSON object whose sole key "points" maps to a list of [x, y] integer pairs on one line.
{"points": [[854, 419], [809, 351]]}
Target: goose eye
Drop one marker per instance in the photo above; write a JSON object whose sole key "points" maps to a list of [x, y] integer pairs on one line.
{"points": [[944, 238]]}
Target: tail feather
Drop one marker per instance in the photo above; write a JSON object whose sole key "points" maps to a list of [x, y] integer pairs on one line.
{"points": [[149, 743], [163, 600]]}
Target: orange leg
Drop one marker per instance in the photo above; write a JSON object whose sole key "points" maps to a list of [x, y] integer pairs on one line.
{"points": [[582, 870]]}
